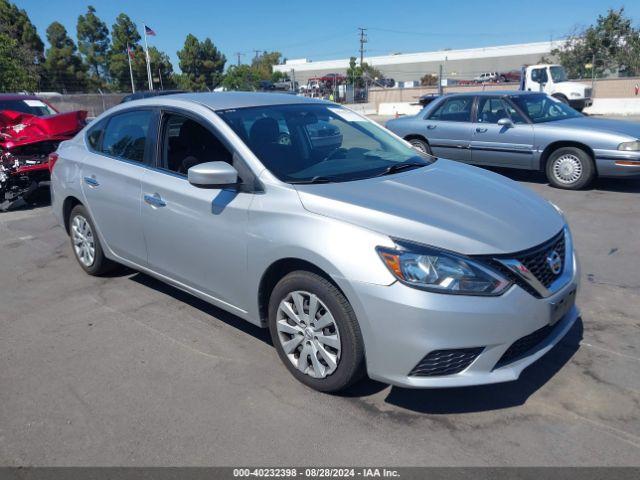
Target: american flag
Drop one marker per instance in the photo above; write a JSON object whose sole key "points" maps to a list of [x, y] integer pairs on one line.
{"points": [[130, 52], [149, 31]]}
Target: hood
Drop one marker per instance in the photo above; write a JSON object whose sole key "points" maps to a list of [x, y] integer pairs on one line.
{"points": [[622, 127], [447, 205]]}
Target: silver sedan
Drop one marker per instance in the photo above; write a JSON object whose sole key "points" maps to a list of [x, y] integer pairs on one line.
{"points": [[524, 130], [360, 254]]}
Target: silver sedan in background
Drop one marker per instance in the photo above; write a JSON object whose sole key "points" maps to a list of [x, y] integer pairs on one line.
{"points": [[360, 254], [525, 130]]}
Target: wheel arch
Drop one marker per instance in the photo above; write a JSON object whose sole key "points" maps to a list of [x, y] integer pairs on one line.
{"points": [[277, 271], [67, 206], [416, 136], [552, 147]]}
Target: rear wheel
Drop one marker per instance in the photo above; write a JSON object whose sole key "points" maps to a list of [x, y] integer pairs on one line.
{"points": [[420, 145], [85, 243], [315, 332], [570, 168]]}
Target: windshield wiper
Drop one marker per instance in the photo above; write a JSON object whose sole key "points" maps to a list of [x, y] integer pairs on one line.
{"points": [[398, 167], [316, 179]]}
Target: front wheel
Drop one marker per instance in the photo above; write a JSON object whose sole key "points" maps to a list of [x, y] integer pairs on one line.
{"points": [[420, 145], [570, 168], [315, 332]]}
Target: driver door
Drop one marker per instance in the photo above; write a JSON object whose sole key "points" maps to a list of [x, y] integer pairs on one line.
{"points": [[196, 236]]}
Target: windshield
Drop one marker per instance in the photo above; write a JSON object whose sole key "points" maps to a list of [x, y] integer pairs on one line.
{"points": [[28, 105], [543, 108], [558, 74], [314, 143]]}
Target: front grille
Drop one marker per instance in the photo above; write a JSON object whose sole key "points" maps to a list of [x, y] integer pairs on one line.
{"points": [[445, 362], [587, 92], [524, 346], [536, 261]]}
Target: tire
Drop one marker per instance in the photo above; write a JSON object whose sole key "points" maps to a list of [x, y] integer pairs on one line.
{"points": [[570, 168], [562, 98], [334, 369], [420, 145], [81, 227]]}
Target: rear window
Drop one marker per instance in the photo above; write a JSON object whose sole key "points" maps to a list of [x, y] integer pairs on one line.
{"points": [[32, 106], [126, 135]]}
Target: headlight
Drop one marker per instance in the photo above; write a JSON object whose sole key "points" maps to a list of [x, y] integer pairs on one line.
{"points": [[442, 272], [630, 146]]}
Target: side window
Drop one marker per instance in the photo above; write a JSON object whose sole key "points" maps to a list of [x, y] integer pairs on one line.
{"points": [[539, 75], [187, 143], [94, 135], [492, 109], [455, 109], [126, 135]]}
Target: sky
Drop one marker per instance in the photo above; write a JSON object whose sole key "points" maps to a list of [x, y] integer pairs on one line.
{"points": [[329, 30]]}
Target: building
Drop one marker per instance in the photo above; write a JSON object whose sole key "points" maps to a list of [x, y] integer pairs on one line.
{"points": [[407, 67]]}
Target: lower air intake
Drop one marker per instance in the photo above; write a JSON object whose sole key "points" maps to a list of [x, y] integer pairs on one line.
{"points": [[445, 362]]}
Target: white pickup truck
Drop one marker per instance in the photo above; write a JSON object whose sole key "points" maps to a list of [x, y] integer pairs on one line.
{"points": [[552, 79]]}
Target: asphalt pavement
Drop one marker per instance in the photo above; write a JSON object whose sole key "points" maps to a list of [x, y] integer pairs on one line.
{"points": [[124, 370]]}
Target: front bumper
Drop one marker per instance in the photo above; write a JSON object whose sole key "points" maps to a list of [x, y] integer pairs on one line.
{"points": [[617, 163], [401, 325]]}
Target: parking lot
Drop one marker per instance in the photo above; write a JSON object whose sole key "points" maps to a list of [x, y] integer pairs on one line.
{"points": [[125, 370]]}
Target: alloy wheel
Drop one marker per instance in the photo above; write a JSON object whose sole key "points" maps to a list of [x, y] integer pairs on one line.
{"points": [[567, 169], [308, 334], [83, 240]]}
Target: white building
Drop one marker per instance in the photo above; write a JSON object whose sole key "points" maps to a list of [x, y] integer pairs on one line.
{"points": [[462, 64]]}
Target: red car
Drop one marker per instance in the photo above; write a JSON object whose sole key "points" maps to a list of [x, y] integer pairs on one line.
{"points": [[30, 130]]}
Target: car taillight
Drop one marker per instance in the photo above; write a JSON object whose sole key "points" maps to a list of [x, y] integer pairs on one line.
{"points": [[53, 158]]}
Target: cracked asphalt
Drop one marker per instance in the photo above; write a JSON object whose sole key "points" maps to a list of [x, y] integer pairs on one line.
{"points": [[127, 371]]}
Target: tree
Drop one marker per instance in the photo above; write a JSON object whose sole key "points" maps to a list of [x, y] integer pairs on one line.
{"points": [[13, 76], [361, 75], [63, 67], [428, 80], [27, 49], [202, 64], [162, 69], [263, 66], [612, 44], [241, 77], [124, 32], [93, 43]]}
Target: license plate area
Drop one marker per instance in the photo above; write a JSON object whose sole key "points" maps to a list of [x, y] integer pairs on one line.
{"points": [[560, 307]]}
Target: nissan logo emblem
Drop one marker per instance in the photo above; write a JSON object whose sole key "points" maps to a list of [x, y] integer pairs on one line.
{"points": [[555, 262]]}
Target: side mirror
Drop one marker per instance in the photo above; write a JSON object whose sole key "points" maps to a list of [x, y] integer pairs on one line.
{"points": [[505, 122], [212, 175]]}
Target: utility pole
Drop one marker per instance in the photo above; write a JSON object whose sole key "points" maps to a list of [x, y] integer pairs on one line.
{"points": [[363, 40], [257, 54], [239, 54]]}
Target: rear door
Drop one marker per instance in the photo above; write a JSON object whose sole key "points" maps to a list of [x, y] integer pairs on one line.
{"points": [[497, 145], [448, 128], [119, 153]]}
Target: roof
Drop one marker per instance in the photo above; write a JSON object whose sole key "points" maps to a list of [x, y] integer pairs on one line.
{"points": [[537, 48], [225, 100], [493, 93]]}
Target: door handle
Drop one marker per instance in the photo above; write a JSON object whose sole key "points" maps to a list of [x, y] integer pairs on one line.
{"points": [[431, 127], [155, 200], [92, 182], [481, 129]]}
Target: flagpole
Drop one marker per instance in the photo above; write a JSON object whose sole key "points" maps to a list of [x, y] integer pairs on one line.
{"points": [[146, 49], [133, 86]]}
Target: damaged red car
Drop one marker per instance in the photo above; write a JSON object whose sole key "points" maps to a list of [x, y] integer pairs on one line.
{"points": [[30, 131]]}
